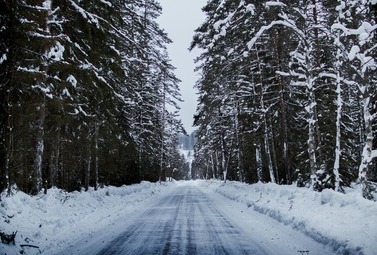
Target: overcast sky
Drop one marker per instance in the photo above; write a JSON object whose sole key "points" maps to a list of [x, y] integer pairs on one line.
{"points": [[179, 19]]}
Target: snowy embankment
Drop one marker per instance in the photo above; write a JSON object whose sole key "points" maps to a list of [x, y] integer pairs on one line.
{"points": [[347, 222], [56, 220]]}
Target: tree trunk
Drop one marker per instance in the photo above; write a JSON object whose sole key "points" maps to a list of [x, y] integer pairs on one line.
{"points": [[339, 110], [39, 149], [259, 163], [240, 170], [96, 130], [214, 175], [368, 153], [283, 112], [312, 119], [273, 152], [266, 131], [267, 150], [8, 141], [317, 64], [223, 159], [9, 151], [338, 151], [218, 164], [54, 158], [311, 136], [88, 164]]}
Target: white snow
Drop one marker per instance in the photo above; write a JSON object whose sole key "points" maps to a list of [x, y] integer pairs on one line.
{"points": [[56, 52], [65, 92], [107, 3], [71, 79], [274, 3], [374, 154], [352, 54], [251, 8], [3, 58], [46, 90], [47, 4], [265, 28], [91, 18], [345, 221], [364, 31], [53, 222]]}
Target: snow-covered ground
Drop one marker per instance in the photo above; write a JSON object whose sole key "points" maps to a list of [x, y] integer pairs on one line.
{"points": [[58, 220], [347, 222]]}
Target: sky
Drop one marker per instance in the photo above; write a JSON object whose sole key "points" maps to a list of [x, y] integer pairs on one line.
{"points": [[179, 19]]}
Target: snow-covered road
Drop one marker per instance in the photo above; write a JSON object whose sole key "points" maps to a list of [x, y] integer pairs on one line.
{"points": [[183, 222], [190, 221]]}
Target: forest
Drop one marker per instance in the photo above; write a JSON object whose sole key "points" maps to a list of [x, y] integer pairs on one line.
{"points": [[287, 92], [88, 95]]}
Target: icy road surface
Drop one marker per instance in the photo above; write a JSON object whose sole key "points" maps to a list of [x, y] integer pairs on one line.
{"points": [[189, 221]]}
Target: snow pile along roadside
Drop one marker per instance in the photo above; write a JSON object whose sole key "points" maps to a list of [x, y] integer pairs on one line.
{"points": [[347, 222], [48, 223]]}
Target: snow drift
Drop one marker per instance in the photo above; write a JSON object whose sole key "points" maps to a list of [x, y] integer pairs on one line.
{"points": [[51, 222], [347, 222]]}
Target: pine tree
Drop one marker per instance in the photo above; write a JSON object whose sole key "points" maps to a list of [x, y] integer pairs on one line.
{"points": [[70, 80]]}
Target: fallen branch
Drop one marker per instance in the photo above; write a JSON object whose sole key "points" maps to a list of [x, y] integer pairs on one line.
{"points": [[29, 245]]}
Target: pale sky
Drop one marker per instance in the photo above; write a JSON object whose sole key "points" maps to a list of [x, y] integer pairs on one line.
{"points": [[179, 19]]}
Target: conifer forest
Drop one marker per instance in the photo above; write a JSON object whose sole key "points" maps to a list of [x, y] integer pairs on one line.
{"points": [[87, 91], [89, 96], [287, 92]]}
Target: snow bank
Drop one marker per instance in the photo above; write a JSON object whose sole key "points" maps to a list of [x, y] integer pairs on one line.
{"points": [[347, 222], [55, 220]]}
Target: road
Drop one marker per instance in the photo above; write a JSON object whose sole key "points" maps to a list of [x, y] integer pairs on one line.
{"points": [[184, 222], [191, 220]]}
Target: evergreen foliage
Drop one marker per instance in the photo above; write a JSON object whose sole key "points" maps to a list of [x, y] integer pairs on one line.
{"points": [[287, 92], [84, 89]]}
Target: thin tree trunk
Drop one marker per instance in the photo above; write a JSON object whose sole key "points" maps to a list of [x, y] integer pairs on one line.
{"points": [[240, 170], [267, 150], [368, 153], [161, 160], [213, 167], [96, 130], [312, 120], [218, 163], [339, 110], [273, 152], [317, 63], [266, 131], [39, 149], [223, 159], [283, 113], [206, 175], [9, 152], [338, 150], [88, 164], [259, 162], [311, 136], [162, 130], [54, 159]]}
